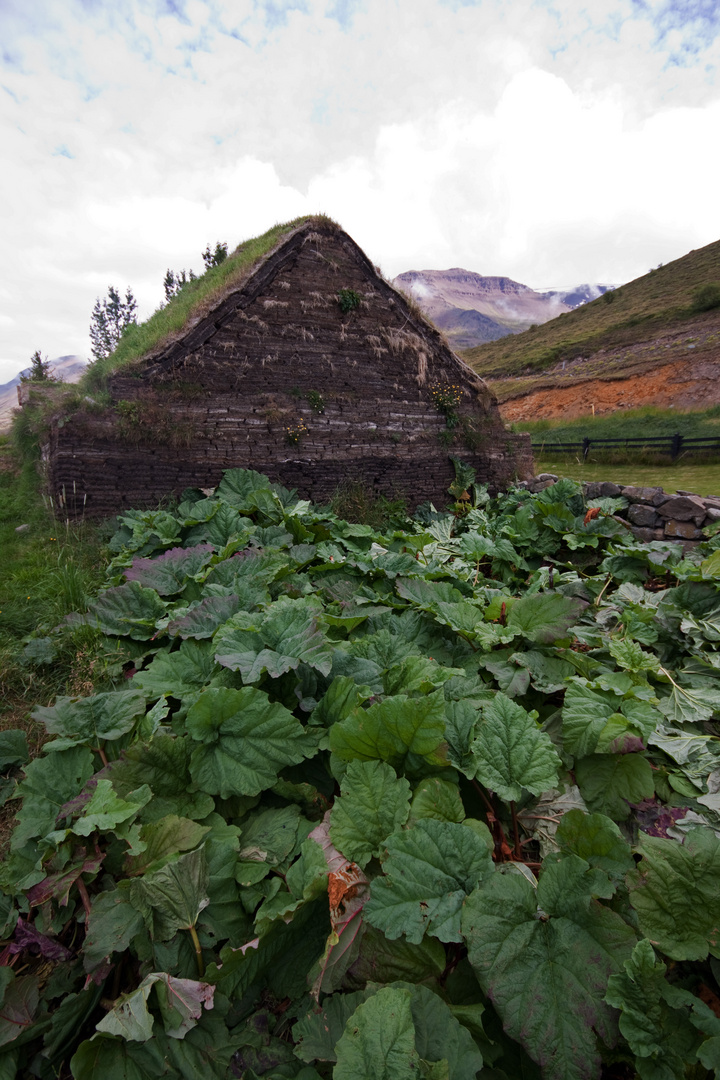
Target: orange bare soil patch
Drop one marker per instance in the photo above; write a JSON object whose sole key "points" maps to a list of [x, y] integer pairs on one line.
{"points": [[681, 385]]}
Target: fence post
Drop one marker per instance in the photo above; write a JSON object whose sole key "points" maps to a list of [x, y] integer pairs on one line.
{"points": [[676, 446], [586, 448]]}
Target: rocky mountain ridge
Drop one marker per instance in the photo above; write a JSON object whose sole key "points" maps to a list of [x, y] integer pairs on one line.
{"points": [[472, 309]]}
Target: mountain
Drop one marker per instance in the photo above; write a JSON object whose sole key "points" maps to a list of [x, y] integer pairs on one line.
{"points": [[472, 309], [65, 368], [652, 341]]}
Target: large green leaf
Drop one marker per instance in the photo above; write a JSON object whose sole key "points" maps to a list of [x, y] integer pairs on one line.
{"points": [[286, 637], [127, 611], [245, 741], [203, 617], [129, 1016], [105, 810], [427, 594], [597, 839], [609, 783], [545, 617], [511, 752], [270, 835], [595, 721], [106, 1056], [688, 705], [381, 960], [379, 1040], [281, 957], [93, 719], [49, 783], [171, 898], [585, 714], [383, 1041], [318, 1031], [111, 925], [435, 797], [675, 891], [373, 803], [179, 672], [163, 839], [244, 569], [168, 573], [429, 870], [224, 917], [461, 721], [13, 748], [164, 764], [440, 1037], [548, 674], [547, 973], [19, 1006], [246, 490], [224, 525], [662, 1037], [394, 730]]}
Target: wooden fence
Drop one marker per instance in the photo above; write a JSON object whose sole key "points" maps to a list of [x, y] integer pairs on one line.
{"points": [[674, 445]]}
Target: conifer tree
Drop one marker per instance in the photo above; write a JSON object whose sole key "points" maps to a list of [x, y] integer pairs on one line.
{"points": [[173, 283], [40, 369], [214, 258], [110, 318]]}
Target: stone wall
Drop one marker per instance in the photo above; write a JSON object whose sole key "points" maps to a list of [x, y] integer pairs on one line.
{"points": [[652, 513], [94, 470]]}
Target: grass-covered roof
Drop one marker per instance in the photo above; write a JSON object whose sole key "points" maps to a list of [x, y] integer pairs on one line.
{"points": [[195, 300]]}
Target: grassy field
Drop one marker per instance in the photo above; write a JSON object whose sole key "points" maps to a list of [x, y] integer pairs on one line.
{"points": [[689, 472], [699, 479], [634, 423], [48, 568], [657, 302]]}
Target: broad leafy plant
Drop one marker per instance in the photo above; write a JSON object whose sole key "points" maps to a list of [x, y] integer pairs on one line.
{"points": [[440, 803]]}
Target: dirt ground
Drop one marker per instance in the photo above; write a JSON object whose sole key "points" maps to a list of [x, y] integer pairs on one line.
{"points": [[683, 385]]}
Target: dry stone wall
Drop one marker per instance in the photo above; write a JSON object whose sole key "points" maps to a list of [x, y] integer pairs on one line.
{"points": [[280, 379], [651, 513]]}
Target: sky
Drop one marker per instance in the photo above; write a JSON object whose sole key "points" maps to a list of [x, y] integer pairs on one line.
{"points": [[549, 141]]}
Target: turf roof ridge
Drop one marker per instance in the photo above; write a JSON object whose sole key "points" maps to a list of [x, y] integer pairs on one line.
{"points": [[172, 321]]}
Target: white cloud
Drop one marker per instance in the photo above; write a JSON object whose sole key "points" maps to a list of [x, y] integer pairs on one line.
{"points": [[551, 142]]}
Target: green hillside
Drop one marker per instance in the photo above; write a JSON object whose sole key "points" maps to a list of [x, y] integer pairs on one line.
{"points": [[661, 301]]}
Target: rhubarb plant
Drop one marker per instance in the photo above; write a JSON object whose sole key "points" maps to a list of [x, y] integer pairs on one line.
{"points": [[442, 802]]}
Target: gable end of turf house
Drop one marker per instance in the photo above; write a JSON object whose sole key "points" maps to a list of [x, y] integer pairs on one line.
{"points": [[294, 358]]}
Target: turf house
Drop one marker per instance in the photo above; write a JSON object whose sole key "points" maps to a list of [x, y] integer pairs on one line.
{"points": [[296, 359]]}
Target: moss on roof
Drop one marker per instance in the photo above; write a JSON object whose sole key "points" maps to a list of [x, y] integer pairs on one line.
{"points": [[193, 302]]}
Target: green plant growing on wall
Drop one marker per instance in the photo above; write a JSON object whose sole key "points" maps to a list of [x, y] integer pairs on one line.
{"points": [[129, 413], [472, 438], [446, 398], [150, 422], [316, 401], [348, 300], [294, 433]]}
